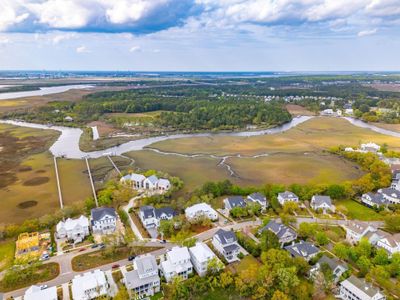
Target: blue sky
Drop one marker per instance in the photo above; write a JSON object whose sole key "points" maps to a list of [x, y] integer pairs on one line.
{"points": [[200, 35]]}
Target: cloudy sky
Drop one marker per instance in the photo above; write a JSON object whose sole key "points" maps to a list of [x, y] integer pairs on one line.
{"points": [[200, 35]]}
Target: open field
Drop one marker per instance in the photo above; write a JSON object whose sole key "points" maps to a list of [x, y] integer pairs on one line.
{"points": [[297, 110], [393, 127], [359, 211], [7, 250], [314, 135]]}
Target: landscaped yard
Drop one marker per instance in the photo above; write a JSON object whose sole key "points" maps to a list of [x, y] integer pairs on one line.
{"points": [[7, 250], [356, 210], [22, 279]]}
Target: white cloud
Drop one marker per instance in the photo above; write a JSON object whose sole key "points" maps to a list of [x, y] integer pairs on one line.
{"points": [[135, 49], [10, 14], [4, 40], [367, 32], [63, 37], [82, 49]]}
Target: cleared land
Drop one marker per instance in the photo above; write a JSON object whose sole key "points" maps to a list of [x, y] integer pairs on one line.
{"points": [[358, 211], [7, 250], [297, 110]]}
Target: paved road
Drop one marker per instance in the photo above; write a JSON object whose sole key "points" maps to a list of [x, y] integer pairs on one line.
{"points": [[126, 208]]}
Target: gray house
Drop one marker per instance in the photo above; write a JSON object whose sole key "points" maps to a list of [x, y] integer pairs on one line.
{"points": [[323, 203], [234, 201], [374, 200], [259, 199], [336, 266], [225, 242], [303, 249], [104, 220], [283, 232]]}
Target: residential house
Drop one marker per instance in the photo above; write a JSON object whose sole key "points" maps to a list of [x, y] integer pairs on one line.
{"points": [[303, 249], [90, 285], [137, 180], [201, 210], [336, 266], [151, 183], [164, 184], [104, 220], [389, 242], [73, 229], [370, 147], [373, 200], [323, 203], [354, 288], [392, 196], [283, 232], [356, 230], [234, 201], [39, 293], [225, 242], [259, 199], [143, 280], [327, 112], [348, 110], [200, 255], [151, 216], [286, 197], [177, 263]]}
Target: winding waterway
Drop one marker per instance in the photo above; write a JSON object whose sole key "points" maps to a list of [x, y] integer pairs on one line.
{"points": [[43, 91], [67, 144]]}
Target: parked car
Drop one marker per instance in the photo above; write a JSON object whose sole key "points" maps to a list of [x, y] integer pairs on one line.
{"points": [[102, 246], [94, 246], [115, 266], [43, 287], [82, 249], [163, 241], [131, 257]]}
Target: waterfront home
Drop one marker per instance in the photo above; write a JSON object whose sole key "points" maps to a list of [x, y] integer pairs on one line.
{"points": [[201, 210], [234, 201], [151, 216], [90, 285], [177, 263], [150, 183], [225, 242], [136, 180], [286, 197], [259, 199], [354, 288], [303, 249], [143, 280], [104, 220], [200, 255], [370, 147], [356, 230], [284, 233], [39, 293], [73, 229], [323, 203], [336, 266], [373, 200]]}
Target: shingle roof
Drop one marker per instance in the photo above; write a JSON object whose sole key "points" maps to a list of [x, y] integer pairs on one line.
{"points": [[257, 197], [235, 201], [302, 249], [390, 192], [147, 211], [153, 179], [287, 195], [169, 211], [279, 229], [331, 262], [319, 200], [226, 236], [376, 198], [362, 285], [99, 213]]}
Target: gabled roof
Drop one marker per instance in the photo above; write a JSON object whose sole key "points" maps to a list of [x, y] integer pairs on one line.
{"points": [[357, 226], [279, 229], [226, 236], [99, 213], [163, 182], [318, 200], [235, 201], [145, 264], [287, 195], [70, 224], [389, 192], [37, 293], [169, 211], [361, 285], [201, 252], [137, 177], [302, 249], [376, 198], [147, 211], [177, 254], [333, 263], [199, 207], [257, 197], [153, 179]]}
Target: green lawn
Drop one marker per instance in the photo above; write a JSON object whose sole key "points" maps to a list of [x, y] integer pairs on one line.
{"points": [[7, 250], [359, 211]]}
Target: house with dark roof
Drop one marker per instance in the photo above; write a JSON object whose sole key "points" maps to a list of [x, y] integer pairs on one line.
{"points": [[259, 199], [303, 249], [335, 265], [234, 201], [323, 203], [151, 217], [225, 242], [358, 289], [392, 196], [103, 220], [283, 232], [374, 200], [286, 197]]}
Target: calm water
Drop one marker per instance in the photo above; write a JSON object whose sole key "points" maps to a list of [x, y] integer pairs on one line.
{"points": [[43, 91]]}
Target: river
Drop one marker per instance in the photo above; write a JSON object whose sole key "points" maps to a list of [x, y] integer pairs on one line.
{"points": [[43, 91], [67, 144]]}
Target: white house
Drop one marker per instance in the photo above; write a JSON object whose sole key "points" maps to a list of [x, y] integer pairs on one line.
{"points": [[164, 184], [73, 229], [389, 242], [143, 280], [89, 285], [150, 183], [201, 210], [323, 203], [38, 293], [336, 266], [392, 196], [104, 220], [354, 288], [370, 147], [137, 180], [303, 249], [151, 216], [373, 200], [283, 232], [327, 112], [356, 230], [225, 242], [200, 255], [177, 263], [259, 199], [286, 197], [234, 201]]}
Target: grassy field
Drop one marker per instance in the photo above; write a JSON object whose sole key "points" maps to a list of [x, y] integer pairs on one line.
{"points": [[359, 211], [7, 250], [297, 110]]}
